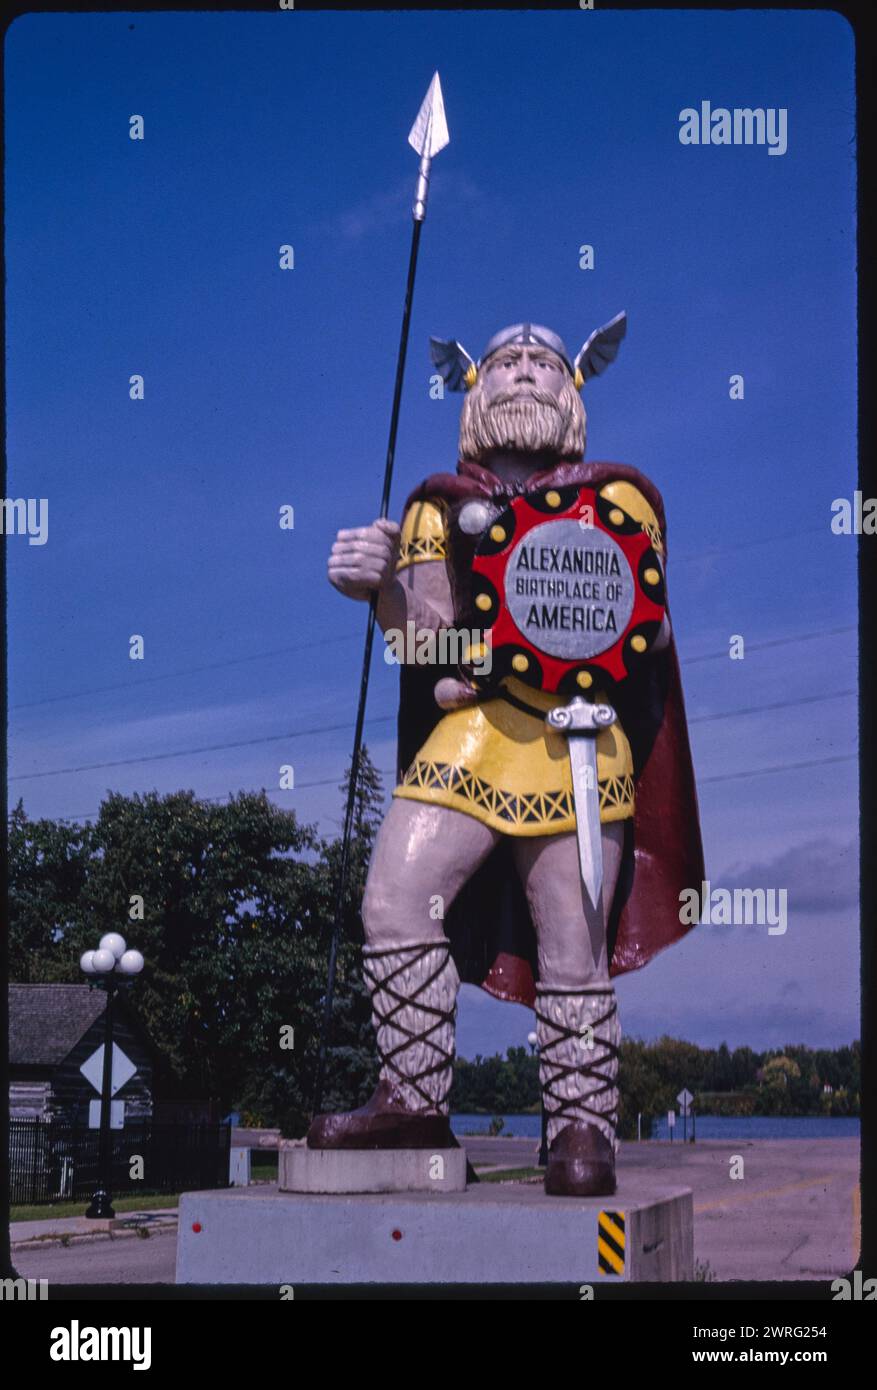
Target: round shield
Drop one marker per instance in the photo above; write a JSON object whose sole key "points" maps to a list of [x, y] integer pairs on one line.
{"points": [[569, 590]]}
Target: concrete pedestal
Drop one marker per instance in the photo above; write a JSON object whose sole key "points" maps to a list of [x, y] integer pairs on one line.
{"points": [[300, 1169], [490, 1234]]}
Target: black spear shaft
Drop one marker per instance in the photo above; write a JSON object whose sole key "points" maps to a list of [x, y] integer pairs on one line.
{"points": [[363, 684]]}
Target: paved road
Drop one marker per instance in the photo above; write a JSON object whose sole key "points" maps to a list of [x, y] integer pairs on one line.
{"points": [[793, 1215], [128, 1261]]}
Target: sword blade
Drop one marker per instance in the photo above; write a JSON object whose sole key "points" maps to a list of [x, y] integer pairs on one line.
{"points": [[583, 765]]}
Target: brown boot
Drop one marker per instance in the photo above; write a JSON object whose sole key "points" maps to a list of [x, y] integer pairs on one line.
{"points": [[578, 1066], [581, 1163], [382, 1123], [414, 993]]}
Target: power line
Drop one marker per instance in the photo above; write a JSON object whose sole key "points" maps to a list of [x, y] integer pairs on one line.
{"points": [[139, 680], [745, 545], [779, 767], [780, 704], [774, 642], [282, 651], [352, 636], [701, 781], [375, 719], [206, 748], [216, 800]]}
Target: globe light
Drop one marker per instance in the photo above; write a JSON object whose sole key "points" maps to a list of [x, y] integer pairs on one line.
{"points": [[131, 963], [103, 961], [86, 963], [532, 1039], [113, 942]]}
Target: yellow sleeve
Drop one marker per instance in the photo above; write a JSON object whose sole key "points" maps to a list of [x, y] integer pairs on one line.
{"points": [[424, 534], [632, 501]]}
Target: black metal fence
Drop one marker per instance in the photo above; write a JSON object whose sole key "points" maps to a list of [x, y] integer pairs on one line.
{"points": [[54, 1161]]}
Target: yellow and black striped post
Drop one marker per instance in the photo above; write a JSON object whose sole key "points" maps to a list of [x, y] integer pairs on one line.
{"points": [[611, 1242]]}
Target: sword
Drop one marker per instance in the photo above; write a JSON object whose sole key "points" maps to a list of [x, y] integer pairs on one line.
{"points": [[581, 721]]}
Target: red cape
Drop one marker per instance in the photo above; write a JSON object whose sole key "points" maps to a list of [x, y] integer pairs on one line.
{"points": [[489, 925]]}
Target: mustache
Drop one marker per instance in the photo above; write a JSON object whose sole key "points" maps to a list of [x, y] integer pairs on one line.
{"points": [[534, 397]]}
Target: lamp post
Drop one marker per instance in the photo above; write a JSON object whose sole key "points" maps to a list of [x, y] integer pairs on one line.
{"points": [[542, 1160], [107, 968]]}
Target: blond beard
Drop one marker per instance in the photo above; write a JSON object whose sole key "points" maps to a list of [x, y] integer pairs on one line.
{"points": [[532, 426]]}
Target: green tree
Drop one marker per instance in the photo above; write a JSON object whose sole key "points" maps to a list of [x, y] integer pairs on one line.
{"points": [[644, 1088], [48, 867], [237, 903], [775, 1085]]}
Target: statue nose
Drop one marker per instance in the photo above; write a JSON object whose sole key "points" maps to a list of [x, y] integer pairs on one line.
{"points": [[525, 368]]}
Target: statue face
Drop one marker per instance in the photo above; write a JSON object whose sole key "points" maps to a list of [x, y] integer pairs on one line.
{"points": [[518, 372], [524, 401]]}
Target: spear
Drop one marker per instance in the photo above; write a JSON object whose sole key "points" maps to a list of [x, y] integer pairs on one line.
{"points": [[427, 136]]}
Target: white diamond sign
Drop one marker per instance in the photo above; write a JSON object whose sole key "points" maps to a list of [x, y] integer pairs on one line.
{"points": [[685, 1098], [123, 1069]]}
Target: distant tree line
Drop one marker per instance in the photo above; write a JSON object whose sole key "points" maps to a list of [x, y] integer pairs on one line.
{"points": [[793, 1080]]}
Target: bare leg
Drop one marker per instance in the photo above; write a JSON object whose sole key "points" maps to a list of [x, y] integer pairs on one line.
{"points": [[422, 857], [422, 854], [571, 935]]}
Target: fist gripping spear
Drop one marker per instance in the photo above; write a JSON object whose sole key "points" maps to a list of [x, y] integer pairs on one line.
{"points": [[552, 881]]}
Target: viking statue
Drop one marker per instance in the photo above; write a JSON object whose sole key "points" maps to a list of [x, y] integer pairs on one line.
{"points": [[497, 863]]}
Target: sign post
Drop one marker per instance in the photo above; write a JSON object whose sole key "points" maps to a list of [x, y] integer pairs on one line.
{"points": [[671, 1123], [685, 1098], [108, 967], [101, 1203]]}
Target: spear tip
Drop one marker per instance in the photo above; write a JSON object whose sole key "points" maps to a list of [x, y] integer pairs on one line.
{"points": [[429, 133]]}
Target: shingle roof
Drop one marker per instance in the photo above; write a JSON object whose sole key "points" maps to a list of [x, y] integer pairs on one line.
{"points": [[47, 1021]]}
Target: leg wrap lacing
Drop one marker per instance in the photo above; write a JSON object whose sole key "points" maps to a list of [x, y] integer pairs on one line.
{"points": [[414, 1003], [579, 1037]]}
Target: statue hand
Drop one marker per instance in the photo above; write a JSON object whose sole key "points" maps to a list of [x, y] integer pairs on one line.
{"points": [[454, 694], [363, 561]]}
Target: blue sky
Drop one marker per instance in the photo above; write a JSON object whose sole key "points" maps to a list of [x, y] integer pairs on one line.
{"points": [[265, 388]]}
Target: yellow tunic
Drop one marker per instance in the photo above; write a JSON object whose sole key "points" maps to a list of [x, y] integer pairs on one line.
{"points": [[500, 762]]}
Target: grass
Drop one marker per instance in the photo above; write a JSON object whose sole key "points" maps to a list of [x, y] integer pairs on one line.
{"points": [[512, 1175], [52, 1210], [265, 1170]]}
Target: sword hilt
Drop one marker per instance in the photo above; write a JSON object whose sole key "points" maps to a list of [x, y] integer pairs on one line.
{"points": [[580, 717]]}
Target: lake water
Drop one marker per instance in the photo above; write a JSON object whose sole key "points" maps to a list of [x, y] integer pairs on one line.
{"points": [[707, 1127]]}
